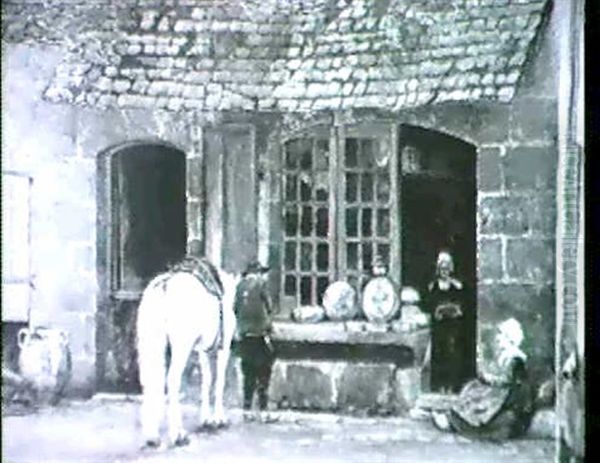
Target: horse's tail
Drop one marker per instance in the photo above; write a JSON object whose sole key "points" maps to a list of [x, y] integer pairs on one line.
{"points": [[152, 336]]}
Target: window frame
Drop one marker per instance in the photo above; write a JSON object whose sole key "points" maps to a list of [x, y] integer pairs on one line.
{"points": [[336, 236], [314, 133]]}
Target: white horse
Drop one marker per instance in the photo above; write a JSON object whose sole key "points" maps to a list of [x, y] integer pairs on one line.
{"points": [[179, 311]]}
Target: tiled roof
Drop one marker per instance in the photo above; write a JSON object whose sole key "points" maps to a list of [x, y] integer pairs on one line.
{"points": [[414, 52], [302, 55], [202, 54]]}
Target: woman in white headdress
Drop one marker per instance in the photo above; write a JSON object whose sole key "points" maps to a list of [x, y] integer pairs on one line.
{"points": [[500, 406], [446, 303]]}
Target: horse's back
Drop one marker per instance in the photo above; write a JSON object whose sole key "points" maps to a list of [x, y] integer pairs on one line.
{"points": [[204, 270], [180, 306], [177, 285]]}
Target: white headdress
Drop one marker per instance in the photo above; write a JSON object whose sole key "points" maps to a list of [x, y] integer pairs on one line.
{"points": [[512, 332], [511, 328], [445, 257]]}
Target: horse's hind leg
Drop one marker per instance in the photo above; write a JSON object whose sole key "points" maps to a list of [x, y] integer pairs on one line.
{"points": [[219, 412], [206, 371], [180, 352], [151, 359]]}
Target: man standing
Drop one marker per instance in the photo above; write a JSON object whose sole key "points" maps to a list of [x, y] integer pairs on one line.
{"points": [[253, 311]]}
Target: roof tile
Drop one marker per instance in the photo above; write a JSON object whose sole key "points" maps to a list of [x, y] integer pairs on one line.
{"points": [[266, 104], [512, 77], [193, 104], [360, 88], [175, 104], [305, 105], [364, 73], [140, 85], [505, 94], [184, 25]]}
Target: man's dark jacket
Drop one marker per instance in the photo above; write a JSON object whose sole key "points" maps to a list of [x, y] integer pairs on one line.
{"points": [[253, 307]]}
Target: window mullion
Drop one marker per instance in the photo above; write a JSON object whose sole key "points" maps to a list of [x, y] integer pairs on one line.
{"points": [[339, 181], [313, 235], [395, 208], [334, 192]]}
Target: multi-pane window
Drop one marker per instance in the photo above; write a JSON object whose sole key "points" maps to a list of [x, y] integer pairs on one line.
{"points": [[306, 254], [339, 210], [367, 206]]}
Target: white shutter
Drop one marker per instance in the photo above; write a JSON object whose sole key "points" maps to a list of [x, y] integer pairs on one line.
{"points": [[16, 247]]}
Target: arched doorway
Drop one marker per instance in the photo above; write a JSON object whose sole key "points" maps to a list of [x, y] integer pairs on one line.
{"points": [[438, 204], [141, 229]]}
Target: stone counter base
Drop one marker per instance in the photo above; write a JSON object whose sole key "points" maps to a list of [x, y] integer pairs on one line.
{"points": [[325, 385], [367, 387], [353, 367]]}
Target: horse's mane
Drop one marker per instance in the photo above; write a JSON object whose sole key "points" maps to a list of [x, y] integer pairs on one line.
{"points": [[202, 269]]}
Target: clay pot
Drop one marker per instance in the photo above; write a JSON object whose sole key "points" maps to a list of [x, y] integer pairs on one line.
{"points": [[45, 361], [340, 302], [308, 314]]}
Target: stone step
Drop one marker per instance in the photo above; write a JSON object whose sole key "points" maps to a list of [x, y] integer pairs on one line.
{"points": [[427, 402], [435, 401]]}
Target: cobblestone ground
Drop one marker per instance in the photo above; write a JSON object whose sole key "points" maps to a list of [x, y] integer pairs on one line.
{"points": [[108, 431]]}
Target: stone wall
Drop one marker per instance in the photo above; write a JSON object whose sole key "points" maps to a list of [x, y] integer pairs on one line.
{"points": [[517, 213], [40, 139], [374, 387], [58, 146], [377, 388]]}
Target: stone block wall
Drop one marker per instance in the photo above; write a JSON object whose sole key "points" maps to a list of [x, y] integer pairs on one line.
{"points": [[517, 214], [365, 387]]}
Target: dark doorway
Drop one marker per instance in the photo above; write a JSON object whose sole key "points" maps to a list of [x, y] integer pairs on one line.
{"points": [[149, 211], [439, 213], [146, 226]]}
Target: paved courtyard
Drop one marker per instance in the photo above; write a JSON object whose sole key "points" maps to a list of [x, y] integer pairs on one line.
{"points": [[108, 431]]}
